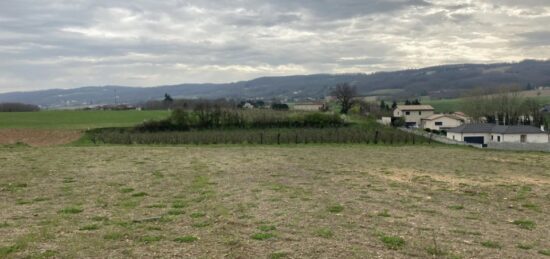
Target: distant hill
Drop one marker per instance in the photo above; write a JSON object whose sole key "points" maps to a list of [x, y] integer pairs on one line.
{"points": [[446, 81]]}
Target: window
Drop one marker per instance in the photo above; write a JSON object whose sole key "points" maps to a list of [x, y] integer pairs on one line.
{"points": [[498, 139], [407, 113], [492, 137], [419, 113], [438, 123], [523, 138]]}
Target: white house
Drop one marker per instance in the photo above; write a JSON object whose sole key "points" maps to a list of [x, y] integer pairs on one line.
{"points": [[485, 133], [442, 121], [413, 114]]}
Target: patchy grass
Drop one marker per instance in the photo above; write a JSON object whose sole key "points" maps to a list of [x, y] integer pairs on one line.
{"points": [[392, 242], [384, 213], [292, 201], [139, 194], [525, 246], [337, 208], [71, 210], [324, 233], [525, 224], [262, 236], [90, 227], [266, 228], [150, 239], [491, 244], [186, 239]]}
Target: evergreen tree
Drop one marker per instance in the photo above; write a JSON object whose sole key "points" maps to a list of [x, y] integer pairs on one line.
{"points": [[168, 98]]}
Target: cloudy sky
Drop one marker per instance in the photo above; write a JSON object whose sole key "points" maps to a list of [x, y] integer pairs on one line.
{"points": [[70, 43]]}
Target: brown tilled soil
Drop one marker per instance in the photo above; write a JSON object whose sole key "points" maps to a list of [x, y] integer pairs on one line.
{"points": [[273, 202], [38, 137]]}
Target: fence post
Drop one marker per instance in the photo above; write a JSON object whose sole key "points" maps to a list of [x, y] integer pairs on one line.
{"points": [[261, 138], [413, 139], [376, 137], [279, 138]]}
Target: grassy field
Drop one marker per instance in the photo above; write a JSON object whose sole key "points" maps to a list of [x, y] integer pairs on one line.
{"points": [[315, 201], [453, 105], [77, 119]]}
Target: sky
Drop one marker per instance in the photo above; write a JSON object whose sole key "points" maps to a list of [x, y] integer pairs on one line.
{"points": [[70, 43]]}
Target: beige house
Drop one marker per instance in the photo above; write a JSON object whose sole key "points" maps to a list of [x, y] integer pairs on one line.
{"points": [[485, 133], [413, 114], [312, 106], [442, 121]]}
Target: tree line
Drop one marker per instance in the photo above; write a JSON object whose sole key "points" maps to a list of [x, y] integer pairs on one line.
{"points": [[18, 107], [505, 106]]}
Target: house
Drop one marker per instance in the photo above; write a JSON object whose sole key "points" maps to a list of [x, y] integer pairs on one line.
{"points": [[309, 106], [413, 114], [462, 116], [485, 133], [248, 106], [442, 121]]}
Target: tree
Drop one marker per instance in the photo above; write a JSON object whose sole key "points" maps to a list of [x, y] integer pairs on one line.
{"points": [[168, 98], [344, 94], [18, 107], [394, 105]]}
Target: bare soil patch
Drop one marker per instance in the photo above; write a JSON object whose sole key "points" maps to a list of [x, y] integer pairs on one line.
{"points": [[38, 137]]}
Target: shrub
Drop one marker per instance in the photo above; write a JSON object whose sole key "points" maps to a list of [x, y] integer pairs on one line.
{"points": [[398, 122], [280, 106]]}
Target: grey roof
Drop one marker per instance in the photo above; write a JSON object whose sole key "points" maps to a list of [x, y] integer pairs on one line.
{"points": [[473, 128], [492, 128]]}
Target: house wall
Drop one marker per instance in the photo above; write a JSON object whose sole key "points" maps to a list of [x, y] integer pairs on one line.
{"points": [[447, 123], [414, 116], [531, 138], [460, 136], [307, 107]]}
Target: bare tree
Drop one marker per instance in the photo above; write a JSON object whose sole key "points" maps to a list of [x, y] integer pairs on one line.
{"points": [[344, 94]]}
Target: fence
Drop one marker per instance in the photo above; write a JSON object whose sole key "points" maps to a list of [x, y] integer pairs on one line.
{"points": [[438, 138], [274, 136]]}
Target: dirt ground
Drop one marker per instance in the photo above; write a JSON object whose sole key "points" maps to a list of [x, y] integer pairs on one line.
{"points": [[38, 137], [273, 202]]}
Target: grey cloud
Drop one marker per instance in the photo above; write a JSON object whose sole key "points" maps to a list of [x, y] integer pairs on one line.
{"points": [[46, 44]]}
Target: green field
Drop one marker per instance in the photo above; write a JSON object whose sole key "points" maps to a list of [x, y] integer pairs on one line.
{"points": [[453, 105], [304, 201], [76, 119]]}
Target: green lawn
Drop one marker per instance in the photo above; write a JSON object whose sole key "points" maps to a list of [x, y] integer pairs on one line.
{"points": [[76, 119]]}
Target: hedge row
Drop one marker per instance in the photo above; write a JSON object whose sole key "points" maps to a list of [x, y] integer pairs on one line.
{"points": [[254, 136]]}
